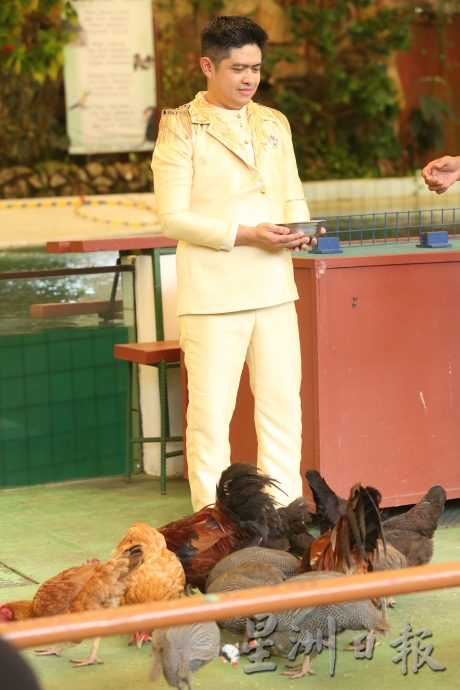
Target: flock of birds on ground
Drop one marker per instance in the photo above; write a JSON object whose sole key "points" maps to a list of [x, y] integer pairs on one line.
{"points": [[244, 540]]}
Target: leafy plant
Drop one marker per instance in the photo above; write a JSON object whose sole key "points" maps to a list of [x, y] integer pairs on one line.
{"points": [[331, 78], [180, 76], [427, 126], [344, 108], [32, 37]]}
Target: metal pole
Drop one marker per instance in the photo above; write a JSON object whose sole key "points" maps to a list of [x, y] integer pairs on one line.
{"points": [[79, 626]]}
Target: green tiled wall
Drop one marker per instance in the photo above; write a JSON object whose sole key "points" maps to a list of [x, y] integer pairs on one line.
{"points": [[62, 406]]}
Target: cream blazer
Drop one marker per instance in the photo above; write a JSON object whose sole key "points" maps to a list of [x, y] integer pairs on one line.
{"points": [[204, 188]]}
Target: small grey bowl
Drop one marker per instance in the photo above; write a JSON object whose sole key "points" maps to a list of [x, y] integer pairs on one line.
{"points": [[309, 227]]}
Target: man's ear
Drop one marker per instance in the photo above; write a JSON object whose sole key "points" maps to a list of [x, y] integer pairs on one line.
{"points": [[206, 66]]}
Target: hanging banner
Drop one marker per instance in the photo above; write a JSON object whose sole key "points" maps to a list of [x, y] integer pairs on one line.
{"points": [[110, 78]]}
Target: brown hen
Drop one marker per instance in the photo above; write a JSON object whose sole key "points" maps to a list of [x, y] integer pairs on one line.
{"points": [[83, 588], [160, 577], [410, 532]]}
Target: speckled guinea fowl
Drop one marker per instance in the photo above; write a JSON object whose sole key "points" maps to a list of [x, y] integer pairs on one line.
{"points": [[349, 615], [179, 651], [244, 576], [354, 615], [287, 563]]}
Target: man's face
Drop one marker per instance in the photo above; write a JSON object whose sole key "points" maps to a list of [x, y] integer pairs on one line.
{"points": [[234, 81]]}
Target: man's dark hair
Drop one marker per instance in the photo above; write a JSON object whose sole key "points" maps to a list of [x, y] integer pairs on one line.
{"points": [[224, 33]]}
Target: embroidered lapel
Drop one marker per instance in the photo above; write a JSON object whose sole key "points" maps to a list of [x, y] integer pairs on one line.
{"points": [[259, 119], [202, 112]]}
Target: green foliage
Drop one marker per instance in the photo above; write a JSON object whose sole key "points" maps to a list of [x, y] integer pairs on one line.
{"points": [[332, 79], [32, 36], [33, 120], [180, 76], [427, 126], [343, 111]]}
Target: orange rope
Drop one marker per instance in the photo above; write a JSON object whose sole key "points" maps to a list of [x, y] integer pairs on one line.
{"points": [[79, 626]]}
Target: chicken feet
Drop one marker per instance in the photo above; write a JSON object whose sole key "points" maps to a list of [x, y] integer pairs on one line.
{"points": [[92, 658], [303, 669]]}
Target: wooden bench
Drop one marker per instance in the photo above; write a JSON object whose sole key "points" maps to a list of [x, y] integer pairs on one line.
{"points": [[164, 355], [104, 308]]}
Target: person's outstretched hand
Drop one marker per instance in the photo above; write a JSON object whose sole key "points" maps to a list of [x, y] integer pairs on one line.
{"points": [[441, 173]]}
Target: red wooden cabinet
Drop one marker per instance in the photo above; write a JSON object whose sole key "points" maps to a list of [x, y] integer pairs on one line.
{"points": [[380, 338]]}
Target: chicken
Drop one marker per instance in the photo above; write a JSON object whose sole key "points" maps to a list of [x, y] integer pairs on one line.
{"points": [[244, 514], [179, 651], [160, 577], [82, 588], [410, 532], [306, 622], [351, 545], [329, 506], [292, 534]]}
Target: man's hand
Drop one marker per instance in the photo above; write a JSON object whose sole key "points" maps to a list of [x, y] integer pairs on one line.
{"points": [[441, 173], [310, 241], [271, 236]]}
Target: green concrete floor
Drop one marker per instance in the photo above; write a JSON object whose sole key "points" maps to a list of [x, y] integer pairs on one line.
{"points": [[48, 528]]}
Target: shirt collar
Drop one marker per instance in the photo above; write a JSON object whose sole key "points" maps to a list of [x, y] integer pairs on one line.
{"points": [[202, 112]]}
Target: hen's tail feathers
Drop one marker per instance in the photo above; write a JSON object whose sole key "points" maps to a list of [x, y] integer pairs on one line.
{"points": [[329, 506], [242, 494], [365, 508], [357, 531]]}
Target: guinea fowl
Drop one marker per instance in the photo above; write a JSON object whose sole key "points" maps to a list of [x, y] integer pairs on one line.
{"points": [[353, 615], [254, 566], [244, 576], [410, 532], [306, 622], [286, 562], [244, 514], [179, 651]]}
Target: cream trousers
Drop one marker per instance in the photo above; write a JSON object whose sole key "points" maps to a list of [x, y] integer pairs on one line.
{"points": [[216, 347]]}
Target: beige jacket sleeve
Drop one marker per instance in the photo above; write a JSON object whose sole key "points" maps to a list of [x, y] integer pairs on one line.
{"points": [[296, 206], [172, 166]]}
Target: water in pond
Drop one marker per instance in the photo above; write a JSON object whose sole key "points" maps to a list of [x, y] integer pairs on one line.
{"points": [[16, 295]]}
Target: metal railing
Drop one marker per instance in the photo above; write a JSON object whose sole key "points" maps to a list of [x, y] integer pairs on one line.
{"points": [[80, 626], [392, 226]]}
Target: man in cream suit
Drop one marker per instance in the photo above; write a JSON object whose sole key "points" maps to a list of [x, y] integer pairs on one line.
{"points": [[225, 177]]}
